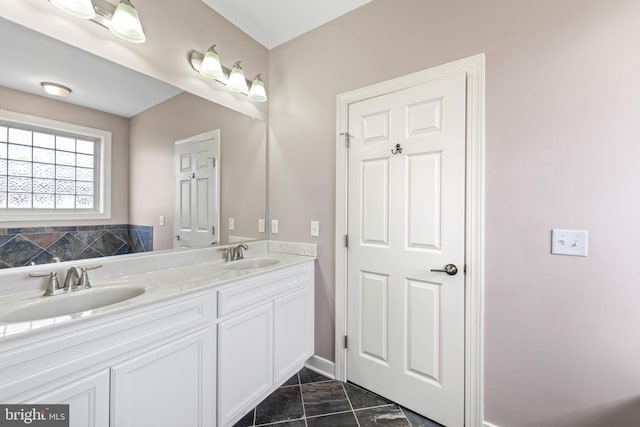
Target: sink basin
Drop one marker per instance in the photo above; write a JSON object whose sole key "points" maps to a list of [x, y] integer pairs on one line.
{"points": [[251, 263], [66, 304]]}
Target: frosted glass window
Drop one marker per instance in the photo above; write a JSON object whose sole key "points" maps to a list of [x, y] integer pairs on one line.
{"points": [[47, 169]]}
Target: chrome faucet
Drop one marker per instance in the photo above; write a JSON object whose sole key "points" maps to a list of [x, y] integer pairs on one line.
{"points": [[72, 278], [78, 278], [237, 251], [234, 253]]}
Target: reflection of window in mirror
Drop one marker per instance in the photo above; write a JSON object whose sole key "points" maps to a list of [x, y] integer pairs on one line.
{"points": [[51, 170]]}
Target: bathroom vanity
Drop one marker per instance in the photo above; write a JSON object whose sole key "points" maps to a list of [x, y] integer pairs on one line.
{"points": [[201, 345]]}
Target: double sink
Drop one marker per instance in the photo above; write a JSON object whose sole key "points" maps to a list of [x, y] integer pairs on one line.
{"points": [[92, 298]]}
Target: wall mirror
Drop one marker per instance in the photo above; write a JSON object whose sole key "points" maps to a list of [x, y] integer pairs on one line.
{"points": [[146, 118]]}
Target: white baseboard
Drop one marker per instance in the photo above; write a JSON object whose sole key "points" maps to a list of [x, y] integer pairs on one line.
{"points": [[487, 424], [322, 366]]}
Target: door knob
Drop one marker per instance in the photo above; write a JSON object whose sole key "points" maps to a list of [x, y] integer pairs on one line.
{"points": [[450, 269], [176, 237]]}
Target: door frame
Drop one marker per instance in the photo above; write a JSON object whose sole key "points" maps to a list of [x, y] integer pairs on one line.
{"points": [[192, 140], [474, 67]]}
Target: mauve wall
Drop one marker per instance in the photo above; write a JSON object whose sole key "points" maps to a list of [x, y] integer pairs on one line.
{"points": [[41, 106], [242, 165], [562, 132]]}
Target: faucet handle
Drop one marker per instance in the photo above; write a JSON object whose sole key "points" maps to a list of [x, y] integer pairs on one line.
{"points": [[53, 286], [84, 277]]}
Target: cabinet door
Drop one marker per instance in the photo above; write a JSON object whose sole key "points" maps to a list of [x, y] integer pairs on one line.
{"points": [[293, 332], [88, 400], [245, 361], [166, 386]]}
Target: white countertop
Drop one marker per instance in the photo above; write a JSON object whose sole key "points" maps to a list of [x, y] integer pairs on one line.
{"points": [[164, 275]]}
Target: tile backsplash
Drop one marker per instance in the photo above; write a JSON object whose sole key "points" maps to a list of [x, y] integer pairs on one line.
{"points": [[40, 245]]}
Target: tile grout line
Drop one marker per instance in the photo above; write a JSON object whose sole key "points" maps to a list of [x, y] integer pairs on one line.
{"points": [[304, 411], [405, 415], [376, 407], [330, 413], [350, 404]]}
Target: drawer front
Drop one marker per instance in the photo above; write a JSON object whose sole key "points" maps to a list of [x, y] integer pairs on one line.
{"points": [[263, 288]]}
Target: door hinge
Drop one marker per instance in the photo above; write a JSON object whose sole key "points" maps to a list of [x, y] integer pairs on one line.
{"points": [[346, 240], [464, 270], [347, 138], [345, 341], [213, 230]]}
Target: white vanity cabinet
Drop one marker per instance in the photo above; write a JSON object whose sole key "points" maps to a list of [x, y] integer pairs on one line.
{"points": [[164, 386], [88, 396], [195, 358], [265, 334], [151, 366]]}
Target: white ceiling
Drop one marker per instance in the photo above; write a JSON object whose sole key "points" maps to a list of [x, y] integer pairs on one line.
{"points": [[273, 22], [29, 58]]}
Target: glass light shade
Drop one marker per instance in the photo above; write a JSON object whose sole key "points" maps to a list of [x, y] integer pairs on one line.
{"points": [[257, 92], [125, 23], [210, 66], [55, 89], [78, 8], [236, 82]]}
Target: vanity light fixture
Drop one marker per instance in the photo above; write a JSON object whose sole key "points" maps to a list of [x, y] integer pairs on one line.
{"points": [[257, 92], [209, 66], [237, 82], [123, 21], [55, 89]]}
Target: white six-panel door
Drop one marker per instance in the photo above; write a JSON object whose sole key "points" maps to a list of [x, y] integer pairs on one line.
{"points": [[406, 217], [197, 206]]}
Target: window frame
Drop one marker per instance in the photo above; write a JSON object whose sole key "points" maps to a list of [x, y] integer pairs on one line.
{"points": [[102, 171]]}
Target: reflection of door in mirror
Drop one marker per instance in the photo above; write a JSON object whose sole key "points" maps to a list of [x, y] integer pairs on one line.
{"points": [[197, 187]]}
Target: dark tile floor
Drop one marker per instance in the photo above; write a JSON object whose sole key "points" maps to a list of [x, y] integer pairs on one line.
{"points": [[309, 399]]}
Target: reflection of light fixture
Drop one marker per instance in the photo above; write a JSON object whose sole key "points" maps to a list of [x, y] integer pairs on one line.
{"points": [[123, 20], [210, 66], [257, 92], [125, 23], [236, 82], [78, 8], [55, 89], [232, 78]]}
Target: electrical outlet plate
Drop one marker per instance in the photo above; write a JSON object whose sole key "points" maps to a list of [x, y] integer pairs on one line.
{"points": [[315, 228], [570, 242], [274, 226], [261, 225], [232, 224]]}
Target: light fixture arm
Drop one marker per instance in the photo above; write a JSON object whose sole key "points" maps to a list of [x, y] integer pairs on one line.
{"points": [[104, 12]]}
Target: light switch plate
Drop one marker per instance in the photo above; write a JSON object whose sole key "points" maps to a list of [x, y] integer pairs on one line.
{"points": [[274, 226], [570, 242], [261, 225], [315, 228], [232, 224], [161, 220]]}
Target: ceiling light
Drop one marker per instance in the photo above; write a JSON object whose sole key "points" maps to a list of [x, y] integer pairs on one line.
{"points": [[237, 82], [125, 23], [78, 8], [55, 89], [257, 92], [210, 66]]}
